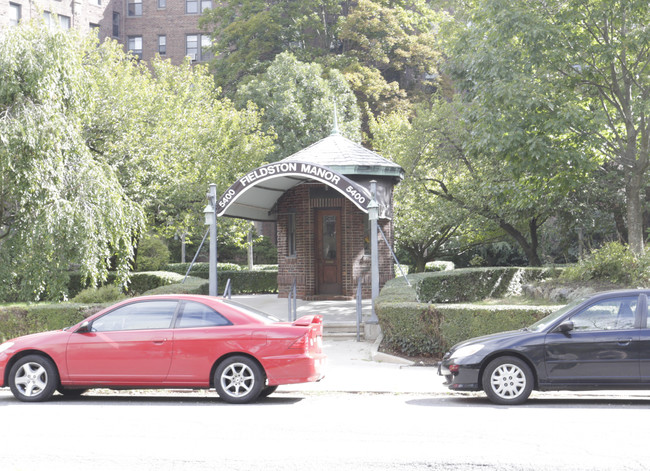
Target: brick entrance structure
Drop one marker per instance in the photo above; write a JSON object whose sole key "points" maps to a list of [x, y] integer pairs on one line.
{"points": [[318, 198]]}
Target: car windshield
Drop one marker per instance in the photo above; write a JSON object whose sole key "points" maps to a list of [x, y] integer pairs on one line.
{"points": [[254, 313], [551, 318]]}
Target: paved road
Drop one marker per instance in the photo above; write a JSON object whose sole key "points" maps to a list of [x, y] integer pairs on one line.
{"points": [[322, 431]]}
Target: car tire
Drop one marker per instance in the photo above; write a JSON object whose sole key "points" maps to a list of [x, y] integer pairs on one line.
{"points": [[507, 381], [267, 391], [33, 378], [239, 380]]}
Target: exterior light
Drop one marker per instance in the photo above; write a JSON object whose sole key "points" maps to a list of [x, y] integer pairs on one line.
{"points": [[208, 212]]}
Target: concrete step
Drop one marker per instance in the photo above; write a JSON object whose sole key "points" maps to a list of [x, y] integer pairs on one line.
{"points": [[341, 329]]}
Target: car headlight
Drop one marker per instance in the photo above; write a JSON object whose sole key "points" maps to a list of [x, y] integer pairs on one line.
{"points": [[466, 351], [6, 346]]}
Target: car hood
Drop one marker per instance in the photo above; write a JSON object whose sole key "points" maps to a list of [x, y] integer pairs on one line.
{"points": [[495, 339], [39, 338]]}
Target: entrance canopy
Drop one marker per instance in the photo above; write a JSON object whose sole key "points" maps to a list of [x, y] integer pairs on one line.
{"points": [[255, 194]]}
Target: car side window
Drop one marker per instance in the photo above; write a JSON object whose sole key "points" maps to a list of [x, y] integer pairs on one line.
{"points": [[145, 315], [609, 314], [199, 315]]}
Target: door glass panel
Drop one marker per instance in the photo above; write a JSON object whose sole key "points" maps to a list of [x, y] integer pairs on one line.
{"points": [[329, 237], [137, 316], [612, 314]]}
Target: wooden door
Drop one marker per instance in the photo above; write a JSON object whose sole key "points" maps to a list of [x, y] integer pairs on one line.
{"points": [[328, 251]]}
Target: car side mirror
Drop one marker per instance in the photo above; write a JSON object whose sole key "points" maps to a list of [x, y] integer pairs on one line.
{"points": [[84, 328], [564, 327]]}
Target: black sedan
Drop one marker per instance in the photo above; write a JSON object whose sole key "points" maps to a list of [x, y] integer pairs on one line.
{"points": [[601, 342]]}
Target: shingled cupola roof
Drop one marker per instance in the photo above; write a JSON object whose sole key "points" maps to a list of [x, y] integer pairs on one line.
{"points": [[347, 158]]}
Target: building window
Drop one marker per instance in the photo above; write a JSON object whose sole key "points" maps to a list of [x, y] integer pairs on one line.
{"points": [[135, 45], [291, 235], [191, 6], [47, 16], [205, 5], [162, 45], [64, 21], [116, 24], [134, 8], [15, 14], [197, 47], [162, 4]]}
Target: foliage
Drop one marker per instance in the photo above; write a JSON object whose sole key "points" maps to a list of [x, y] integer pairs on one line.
{"points": [[103, 294], [614, 263], [242, 281], [299, 103], [91, 140], [17, 321], [152, 254], [416, 328], [145, 281], [486, 282], [59, 205], [561, 84], [385, 49], [492, 197]]}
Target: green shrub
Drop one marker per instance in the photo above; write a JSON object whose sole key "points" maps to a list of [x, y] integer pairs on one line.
{"points": [[104, 294], [241, 281], [201, 269], [438, 266], [17, 321], [476, 284], [614, 263], [152, 255], [146, 281], [417, 328], [431, 329]]}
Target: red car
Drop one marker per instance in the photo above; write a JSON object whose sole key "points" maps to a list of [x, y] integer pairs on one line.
{"points": [[178, 341]]}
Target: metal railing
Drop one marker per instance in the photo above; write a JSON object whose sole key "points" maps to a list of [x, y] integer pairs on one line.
{"points": [[359, 309]]}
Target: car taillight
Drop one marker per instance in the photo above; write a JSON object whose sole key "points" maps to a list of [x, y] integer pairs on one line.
{"points": [[301, 344], [453, 368]]}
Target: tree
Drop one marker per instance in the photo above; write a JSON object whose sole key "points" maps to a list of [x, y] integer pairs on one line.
{"points": [[95, 146], [434, 150], [583, 66], [299, 103], [386, 49], [58, 204], [168, 134]]}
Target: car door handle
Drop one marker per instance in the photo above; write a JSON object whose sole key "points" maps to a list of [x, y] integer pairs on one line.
{"points": [[159, 341], [624, 342]]}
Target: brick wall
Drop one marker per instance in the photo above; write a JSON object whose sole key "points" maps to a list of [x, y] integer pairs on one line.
{"points": [[302, 267]]}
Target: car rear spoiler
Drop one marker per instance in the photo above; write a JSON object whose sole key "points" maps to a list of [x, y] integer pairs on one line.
{"points": [[305, 321]]}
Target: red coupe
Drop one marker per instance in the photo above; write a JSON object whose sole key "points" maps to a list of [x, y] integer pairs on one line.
{"points": [[178, 341]]}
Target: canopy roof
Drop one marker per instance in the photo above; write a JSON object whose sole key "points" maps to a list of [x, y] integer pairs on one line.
{"points": [[328, 161]]}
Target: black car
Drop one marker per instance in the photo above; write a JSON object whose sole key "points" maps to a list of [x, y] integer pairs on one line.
{"points": [[601, 342]]}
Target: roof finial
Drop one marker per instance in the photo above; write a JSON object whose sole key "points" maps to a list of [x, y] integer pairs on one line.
{"points": [[335, 129]]}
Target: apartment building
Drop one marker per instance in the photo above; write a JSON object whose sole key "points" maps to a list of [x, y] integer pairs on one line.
{"points": [[145, 27]]}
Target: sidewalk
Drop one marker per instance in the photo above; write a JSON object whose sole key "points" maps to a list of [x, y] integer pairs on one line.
{"points": [[351, 366]]}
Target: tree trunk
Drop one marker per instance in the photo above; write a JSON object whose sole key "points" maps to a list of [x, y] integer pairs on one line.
{"points": [[530, 249], [634, 211]]}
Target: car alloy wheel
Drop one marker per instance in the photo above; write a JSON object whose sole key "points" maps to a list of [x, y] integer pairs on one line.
{"points": [[239, 380], [507, 380], [33, 378]]}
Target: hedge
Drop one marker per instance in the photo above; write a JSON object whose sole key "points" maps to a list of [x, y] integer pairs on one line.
{"points": [[476, 284], [241, 282], [416, 328], [17, 321]]}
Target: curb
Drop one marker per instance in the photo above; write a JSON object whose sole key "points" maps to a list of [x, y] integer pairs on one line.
{"points": [[381, 357]]}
